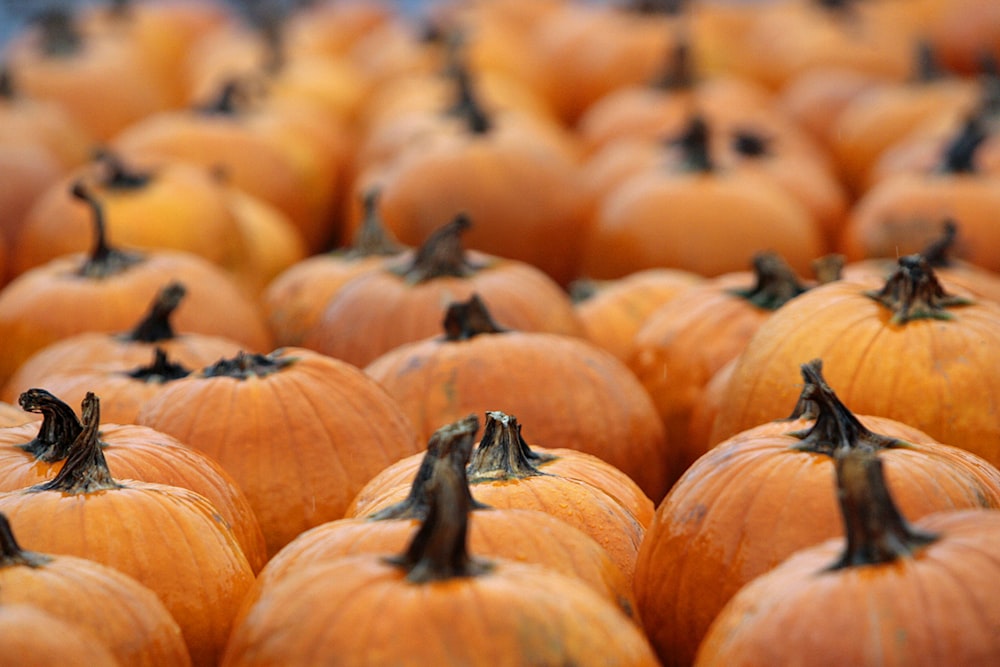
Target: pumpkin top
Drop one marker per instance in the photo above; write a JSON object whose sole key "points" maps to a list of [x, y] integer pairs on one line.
{"points": [[451, 443], [156, 326], [439, 550], [247, 365], [59, 32], [467, 106], [776, 282], [835, 428], [11, 552], [442, 254], [372, 237], [118, 175], [876, 531], [86, 469], [160, 370], [467, 319], [502, 454], [678, 75], [693, 143], [959, 156], [60, 426], [913, 292], [104, 260]]}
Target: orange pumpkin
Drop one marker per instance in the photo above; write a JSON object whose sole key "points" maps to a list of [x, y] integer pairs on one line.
{"points": [[752, 501], [122, 351], [612, 311], [112, 287], [401, 301], [515, 534], [113, 608], [687, 340], [26, 634], [435, 588], [164, 536], [477, 366], [35, 452], [909, 348], [883, 567], [346, 429]]}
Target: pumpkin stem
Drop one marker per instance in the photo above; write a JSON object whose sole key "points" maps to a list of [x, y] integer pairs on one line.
{"points": [[452, 443], [231, 100], [678, 74], [502, 453], [373, 238], [246, 365], [467, 319], [938, 252], [926, 66], [835, 427], [751, 144], [913, 292], [11, 552], [439, 550], [960, 155], [160, 370], [693, 143], [666, 7], [7, 90], [776, 282], [875, 529], [85, 469], [467, 107], [155, 326], [60, 34], [118, 175], [582, 289], [59, 428], [828, 268], [442, 254], [103, 260]]}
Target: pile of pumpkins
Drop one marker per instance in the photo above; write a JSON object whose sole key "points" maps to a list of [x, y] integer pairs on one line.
{"points": [[500, 332]]}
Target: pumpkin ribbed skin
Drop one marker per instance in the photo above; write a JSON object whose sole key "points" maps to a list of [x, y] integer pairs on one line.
{"points": [[125, 616], [750, 502], [321, 429], [607, 414], [934, 374], [141, 453], [165, 537], [26, 634]]}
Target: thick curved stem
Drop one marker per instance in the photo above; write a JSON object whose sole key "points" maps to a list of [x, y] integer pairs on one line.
{"points": [[913, 292], [452, 443], [442, 254], [59, 428], [85, 470], [372, 238], [776, 283], [155, 326], [467, 319], [502, 454], [694, 146], [875, 529], [104, 260], [11, 553]]}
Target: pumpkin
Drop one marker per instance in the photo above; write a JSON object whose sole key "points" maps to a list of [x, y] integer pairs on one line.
{"points": [[35, 452], [900, 214], [528, 536], [478, 366], [501, 474], [454, 600], [696, 216], [111, 287], [164, 536], [683, 343], [402, 300], [514, 174], [100, 79], [294, 299], [752, 501], [321, 429], [888, 568], [612, 311], [113, 608], [26, 638], [560, 462], [285, 154], [123, 350], [964, 31], [910, 348]]}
